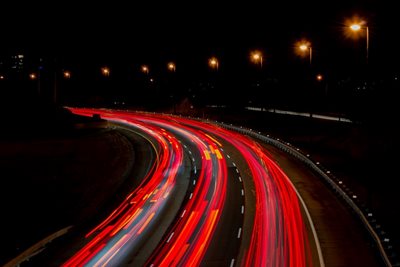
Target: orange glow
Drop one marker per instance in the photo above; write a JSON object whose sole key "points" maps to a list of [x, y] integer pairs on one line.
{"points": [[207, 155], [256, 57], [303, 47], [213, 63], [320, 77], [32, 76], [105, 71], [171, 66], [355, 27], [145, 69], [67, 74]]}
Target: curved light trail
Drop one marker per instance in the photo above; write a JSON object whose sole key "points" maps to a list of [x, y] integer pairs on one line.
{"points": [[277, 236]]}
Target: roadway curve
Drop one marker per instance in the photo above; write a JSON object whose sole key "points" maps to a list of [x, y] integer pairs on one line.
{"points": [[211, 197]]}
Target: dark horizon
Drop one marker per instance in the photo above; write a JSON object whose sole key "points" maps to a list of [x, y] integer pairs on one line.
{"points": [[154, 33]]}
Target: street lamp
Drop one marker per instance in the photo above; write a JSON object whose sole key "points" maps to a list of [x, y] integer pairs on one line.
{"points": [[304, 46], [171, 66], [32, 76], [257, 58], [213, 63], [356, 27], [105, 71], [145, 69], [67, 74]]}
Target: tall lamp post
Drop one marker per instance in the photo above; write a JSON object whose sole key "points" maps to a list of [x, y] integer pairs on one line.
{"points": [[356, 27], [145, 69], [257, 58], [213, 63], [171, 66], [306, 46]]}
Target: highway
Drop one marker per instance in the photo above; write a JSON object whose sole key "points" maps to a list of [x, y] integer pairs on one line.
{"points": [[211, 197]]}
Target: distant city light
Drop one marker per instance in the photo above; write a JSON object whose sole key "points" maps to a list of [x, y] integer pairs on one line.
{"points": [[1, 77], [320, 77], [32, 76]]}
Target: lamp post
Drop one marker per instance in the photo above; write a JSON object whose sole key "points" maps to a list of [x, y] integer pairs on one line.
{"points": [[171, 66], [304, 46], [145, 69], [355, 27], [213, 63], [67, 74], [105, 71], [257, 58]]}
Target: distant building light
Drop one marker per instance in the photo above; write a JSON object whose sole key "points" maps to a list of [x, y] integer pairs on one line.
{"points": [[1, 77], [20, 56], [32, 76]]}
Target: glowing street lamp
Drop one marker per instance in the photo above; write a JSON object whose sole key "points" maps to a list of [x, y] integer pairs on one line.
{"points": [[145, 69], [319, 77], [257, 58], [213, 63], [171, 66], [67, 74], [32, 76], [356, 27], [105, 71], [305, 46]]}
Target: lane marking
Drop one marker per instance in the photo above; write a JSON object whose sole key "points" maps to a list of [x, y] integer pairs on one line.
{"points": [[233, 163], [242, 192], [183, 213], [242, 210], [239, 232], [191, 195], [240, 179], [169, 238], [314, 232], [232, 263]]}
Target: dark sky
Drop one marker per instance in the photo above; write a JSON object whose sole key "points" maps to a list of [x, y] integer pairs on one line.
{"points": [[152, 31]]}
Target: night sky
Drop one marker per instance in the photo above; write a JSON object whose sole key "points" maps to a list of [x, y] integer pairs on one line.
{"points": [[190, 33]]}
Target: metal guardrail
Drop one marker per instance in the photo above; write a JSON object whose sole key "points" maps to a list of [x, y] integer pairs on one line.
{"points": [[381, 240]]}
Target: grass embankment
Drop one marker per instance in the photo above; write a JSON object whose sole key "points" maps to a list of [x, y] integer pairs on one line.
{"points": [[52, 180]]}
